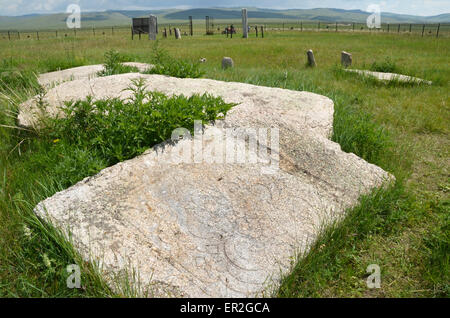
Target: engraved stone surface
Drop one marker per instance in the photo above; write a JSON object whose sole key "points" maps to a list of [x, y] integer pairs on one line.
{"points": [[213, 229], [153, 27]]}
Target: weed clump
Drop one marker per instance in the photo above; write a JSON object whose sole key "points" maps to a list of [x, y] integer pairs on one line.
{"points": [[113, 64], [386, 66], [165, 64], [116, 130]]}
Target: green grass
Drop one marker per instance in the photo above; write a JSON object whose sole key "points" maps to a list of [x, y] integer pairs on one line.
{"points": [[402, 128]]}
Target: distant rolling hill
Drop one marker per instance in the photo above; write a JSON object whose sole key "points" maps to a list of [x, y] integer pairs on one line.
{"points": [[123, 17]]}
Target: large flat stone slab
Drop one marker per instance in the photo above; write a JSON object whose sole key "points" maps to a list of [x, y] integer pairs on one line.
{"points": [[214, 229], [299, 109], [51, 79], [387, 77]]}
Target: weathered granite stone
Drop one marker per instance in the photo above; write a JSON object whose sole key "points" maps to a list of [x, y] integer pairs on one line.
{"points": [[244, 24], [387, 77], [49, 80], [311, 59], [177, 34], [213, 229], [227, 62], [346, 59], [153, 27]]}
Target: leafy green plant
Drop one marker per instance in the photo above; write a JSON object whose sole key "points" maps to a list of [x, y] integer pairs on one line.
{"points": [[113, 64], [387, 66], [118, 130], [167, 65]]}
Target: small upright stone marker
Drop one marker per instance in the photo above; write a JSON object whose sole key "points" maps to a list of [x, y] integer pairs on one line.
{"points": [[153, 27], [177, 34], [244, 23], [227, 62], [311, 59], [346, 59]]}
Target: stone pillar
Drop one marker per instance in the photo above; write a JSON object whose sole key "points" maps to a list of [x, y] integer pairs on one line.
{"points": [[346, 59], [153, 27], [177, 34], [244, 23], [311, 59]]}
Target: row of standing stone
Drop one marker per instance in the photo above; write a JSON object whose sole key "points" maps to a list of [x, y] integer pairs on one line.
{"points": [[346, 60]]}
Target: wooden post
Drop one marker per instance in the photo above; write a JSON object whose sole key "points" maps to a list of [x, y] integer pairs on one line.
{"points": [[37, 35], [388, 27], [318, 26], [301, 26], [191, 26], [256, 29], [423, 29], [262, 31], [18, 34], [410, 28], [9, 36], [398, 30], [336, 27], [139, 34]]}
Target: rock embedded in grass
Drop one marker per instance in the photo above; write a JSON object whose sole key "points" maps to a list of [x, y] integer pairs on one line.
{"points": [[346, 59], [213, 229], [227, 62], [388, 77]]}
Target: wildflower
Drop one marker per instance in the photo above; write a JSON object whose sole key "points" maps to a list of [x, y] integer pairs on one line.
{"points": [[26, 231]]}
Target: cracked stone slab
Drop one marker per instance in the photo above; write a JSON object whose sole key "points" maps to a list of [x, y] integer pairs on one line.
{"points": [[52, 79], [299, 109], [389, 76], [214, 229]]}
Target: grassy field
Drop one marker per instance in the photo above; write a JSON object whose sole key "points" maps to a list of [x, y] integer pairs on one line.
{"points": [[403, 128]]}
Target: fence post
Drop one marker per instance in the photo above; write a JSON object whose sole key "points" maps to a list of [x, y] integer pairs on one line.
{"points": [[410, 28], [423, 29], [318, 26], [256, 29], [388, 28], [191, 26], [336, 27], [398, 30], [18, 34], [262, 31], [37, 35], [437, 32], [9, 36], [301, 26]]}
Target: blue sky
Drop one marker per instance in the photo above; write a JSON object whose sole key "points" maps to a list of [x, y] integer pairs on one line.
{"points": [[415, 7]]}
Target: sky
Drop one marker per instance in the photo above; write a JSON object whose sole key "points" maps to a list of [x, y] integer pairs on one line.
{"points": [[414, 7]]}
